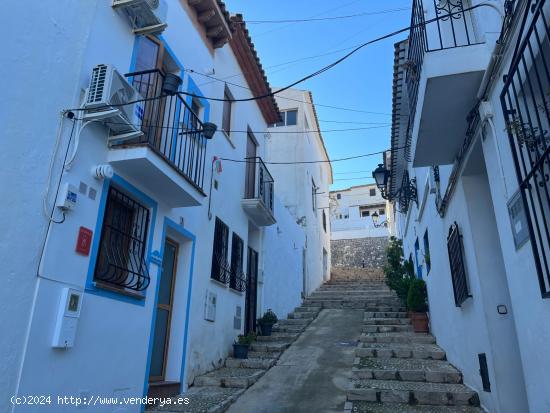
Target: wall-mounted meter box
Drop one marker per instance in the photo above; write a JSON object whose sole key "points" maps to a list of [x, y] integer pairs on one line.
{"points": [[67, 197], [68, 314]]}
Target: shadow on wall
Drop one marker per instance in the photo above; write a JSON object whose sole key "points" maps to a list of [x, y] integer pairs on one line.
{"points": [[359, 252]]}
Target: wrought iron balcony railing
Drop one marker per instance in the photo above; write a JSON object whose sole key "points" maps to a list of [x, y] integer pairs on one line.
{"points": [[453, 28], [170, 128], [259, 183]]}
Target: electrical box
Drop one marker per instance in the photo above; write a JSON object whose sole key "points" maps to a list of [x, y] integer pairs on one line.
{"points": [[67, 197], [68, 314], [210, 306]]}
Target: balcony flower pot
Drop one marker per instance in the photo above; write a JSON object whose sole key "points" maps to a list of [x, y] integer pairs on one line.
{"points": [[417, 305], [266, 322], [242, 344]]}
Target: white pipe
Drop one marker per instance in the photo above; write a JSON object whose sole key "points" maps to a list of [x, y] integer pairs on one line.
{"points": [[499, 160], [50, 169], [70, 161]]}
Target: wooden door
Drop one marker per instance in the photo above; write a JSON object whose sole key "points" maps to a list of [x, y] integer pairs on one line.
{"points": [[251, 292], [250, 173]]}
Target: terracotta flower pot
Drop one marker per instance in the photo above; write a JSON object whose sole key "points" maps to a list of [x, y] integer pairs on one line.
{"points": [[419, 322]]}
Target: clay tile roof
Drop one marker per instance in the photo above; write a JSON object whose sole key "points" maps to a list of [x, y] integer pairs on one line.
{"points": [[247, 57]]}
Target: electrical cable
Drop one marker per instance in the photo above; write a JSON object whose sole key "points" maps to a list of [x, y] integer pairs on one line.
{"points": [[349, 16], [351, 179]]}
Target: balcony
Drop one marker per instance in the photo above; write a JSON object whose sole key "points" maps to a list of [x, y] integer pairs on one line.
{"points": [[258, 196], [169, 157], [445, 66]]}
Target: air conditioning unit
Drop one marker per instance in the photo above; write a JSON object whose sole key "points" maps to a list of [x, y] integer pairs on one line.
{"points": [[145, 16], [108, 100]]}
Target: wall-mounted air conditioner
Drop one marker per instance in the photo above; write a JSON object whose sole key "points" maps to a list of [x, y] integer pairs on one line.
{"points": [[145, 16], [112, 100]]}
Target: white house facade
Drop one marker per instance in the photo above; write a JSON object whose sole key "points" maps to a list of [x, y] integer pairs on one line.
{"points": [[358, 212], [468, 176], [301, 167], [139, 243]]}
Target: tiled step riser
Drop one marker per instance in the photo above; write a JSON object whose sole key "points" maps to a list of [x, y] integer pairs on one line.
{"points": [[276, 336], [415, 397], [353, 292], [288, 329], [381, 309], [386, 321], [310, 309], [388, 314], [267, 346], [264, 355], [398, 339], [408, 375], [302, 315], [367, 303], [400, 353], [388, 329], [236, 382]]}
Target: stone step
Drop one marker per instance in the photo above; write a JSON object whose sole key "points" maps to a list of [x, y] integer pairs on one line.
{"points": [[397, 338], [354, 292], [230, 377], [278, 336], [433, 371], [288, 328], [251, 363], [294, 321], [385, 309], [390, 328], [361, 304], [204, 399], [396, 350], [307, 309], [303, 315], [268, 355], [385, 314], [394, 391], [269, 346], [386, 321], [372, 407]]}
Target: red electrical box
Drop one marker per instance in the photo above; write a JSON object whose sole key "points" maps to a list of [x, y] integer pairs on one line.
{"points": [[84, 241]]}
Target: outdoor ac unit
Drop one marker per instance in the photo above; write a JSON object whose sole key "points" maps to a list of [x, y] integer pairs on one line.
{"points": [[108, 99], [145, 16]]}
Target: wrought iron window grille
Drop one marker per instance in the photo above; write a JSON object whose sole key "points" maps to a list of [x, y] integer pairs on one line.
{"points": [[121, 259], [525, 101], [458, 268], [221, 271], [237, 279]]}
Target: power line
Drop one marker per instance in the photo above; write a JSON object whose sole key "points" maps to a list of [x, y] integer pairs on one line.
{"points": [[349, 16], [352, 179], [351, 172], [354, 123]]}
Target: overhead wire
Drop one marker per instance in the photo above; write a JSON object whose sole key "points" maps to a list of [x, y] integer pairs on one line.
{"points": [[315, 19]]}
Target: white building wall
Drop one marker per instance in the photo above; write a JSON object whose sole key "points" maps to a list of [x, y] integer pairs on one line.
{"points": [[291, 144], [110, 355]]}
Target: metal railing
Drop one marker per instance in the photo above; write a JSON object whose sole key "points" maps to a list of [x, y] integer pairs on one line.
{"points": [[259, 183], [453, 28], [458, 269], [525, 100], [170, 127]]}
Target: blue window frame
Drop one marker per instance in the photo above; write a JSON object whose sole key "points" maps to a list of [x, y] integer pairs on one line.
{"points": [[418, 264]]}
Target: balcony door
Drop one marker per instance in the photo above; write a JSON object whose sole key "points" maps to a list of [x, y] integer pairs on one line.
{"points": [[164, 308], [251, 292], [250, 174]]}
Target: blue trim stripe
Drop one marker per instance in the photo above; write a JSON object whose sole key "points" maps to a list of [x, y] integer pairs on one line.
{"points": [[140, 197], [193, 88], [168, 223]]}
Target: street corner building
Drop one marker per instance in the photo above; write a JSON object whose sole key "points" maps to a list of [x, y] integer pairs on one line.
{"points": [[467, 175], [143, 227]]}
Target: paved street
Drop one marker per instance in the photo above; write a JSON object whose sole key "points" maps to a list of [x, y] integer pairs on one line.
{"points": [[312, 375]]}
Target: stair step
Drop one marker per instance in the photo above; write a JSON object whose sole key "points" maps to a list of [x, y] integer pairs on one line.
{"points": [[288, 328], [310, 309], [205, 399], [432, 371], [278, 336], [230, 377], [385, 308], [385, 314], [386, 321], [391, 328], [250, 363], [406, 337], [269, 346], [266, 355], [302, 315], [294, 321], [370, 407], [412, 392], [396, 350]]}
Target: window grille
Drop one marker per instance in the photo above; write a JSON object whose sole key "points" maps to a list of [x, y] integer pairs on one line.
{"points": [[121, 259], [458, 270], [220, 268], [237, 279]]}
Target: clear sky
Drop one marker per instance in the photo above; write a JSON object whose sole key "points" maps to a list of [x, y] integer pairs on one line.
{"points": [[363, 82]]}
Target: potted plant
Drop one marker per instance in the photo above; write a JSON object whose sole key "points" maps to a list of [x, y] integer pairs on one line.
{"points": [[266, 322], [241, 345], [417, 305]]}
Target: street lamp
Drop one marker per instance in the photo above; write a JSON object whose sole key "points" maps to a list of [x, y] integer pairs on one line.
{"points": [[406, 193], [381, 176], [375, 218]]}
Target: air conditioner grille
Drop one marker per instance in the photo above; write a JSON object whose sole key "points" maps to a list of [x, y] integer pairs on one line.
{"points": [[97, 84]]}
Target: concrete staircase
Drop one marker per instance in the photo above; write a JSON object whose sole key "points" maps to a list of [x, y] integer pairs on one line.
{"points": [[397, 370], [216, 390]]}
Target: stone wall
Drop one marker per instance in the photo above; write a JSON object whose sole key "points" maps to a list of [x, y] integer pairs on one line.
{"points": [[358, 253]]}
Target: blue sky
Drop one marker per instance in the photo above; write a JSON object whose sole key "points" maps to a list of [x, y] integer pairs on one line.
{"points": [[363, 82]]}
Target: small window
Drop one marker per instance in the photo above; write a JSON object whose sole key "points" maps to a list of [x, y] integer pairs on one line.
{"points": [[196, 108], [227, 108], [338, 196], [121, 259], [291, 117], [324, 221], [281, 122], [237, 279], [381, 211], [313, 196], [427, 252], [365, 213], [220, 268], [372, 192]]}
